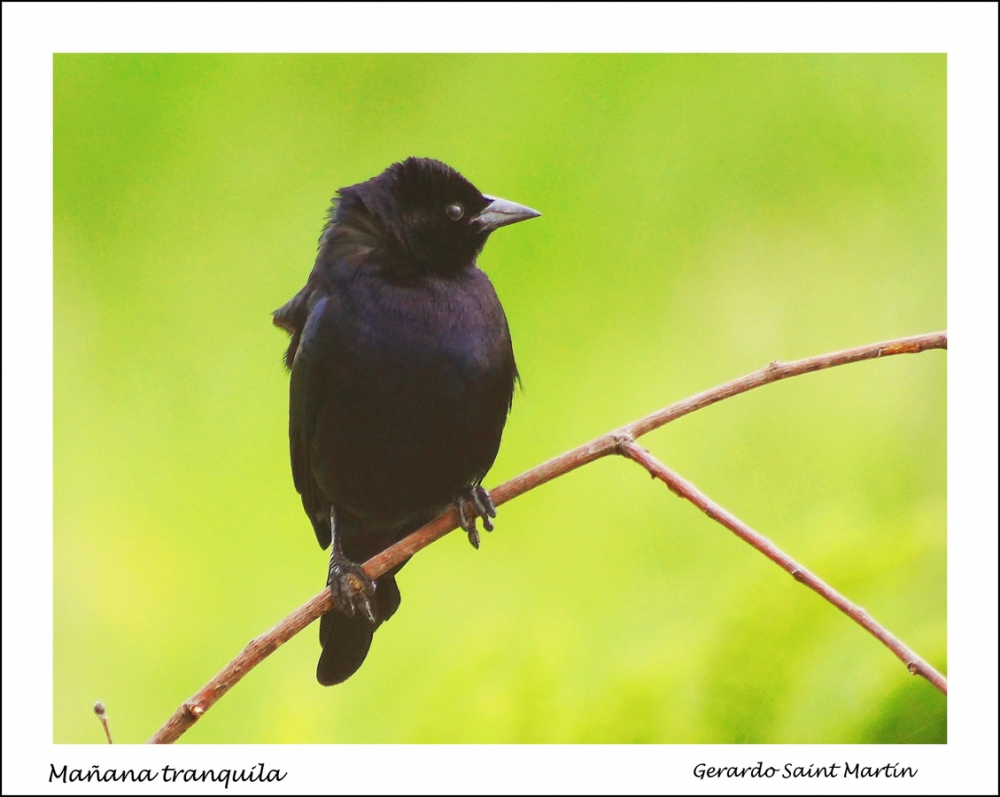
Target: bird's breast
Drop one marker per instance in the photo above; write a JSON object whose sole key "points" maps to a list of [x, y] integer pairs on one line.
{"points": [[444, 328], [418, 383]]}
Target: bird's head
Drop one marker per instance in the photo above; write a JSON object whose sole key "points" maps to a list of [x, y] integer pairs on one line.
{"points": [[425, 216]]}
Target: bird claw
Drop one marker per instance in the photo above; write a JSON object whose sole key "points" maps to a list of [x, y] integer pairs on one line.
{"points": [[474, 503], [351, 588]]}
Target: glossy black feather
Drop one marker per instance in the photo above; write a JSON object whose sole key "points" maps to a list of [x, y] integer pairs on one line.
{"points": [[402, 374]]}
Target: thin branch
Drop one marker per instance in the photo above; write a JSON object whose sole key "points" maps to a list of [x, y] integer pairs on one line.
{"points": [[684, 488], [102, 715], [615, 442]]}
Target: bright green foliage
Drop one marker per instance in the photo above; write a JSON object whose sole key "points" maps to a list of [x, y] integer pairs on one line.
{"points": [[703, 215]]}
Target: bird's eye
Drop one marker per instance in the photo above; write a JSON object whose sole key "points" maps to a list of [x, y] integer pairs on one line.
{"points": [[455, 211]]}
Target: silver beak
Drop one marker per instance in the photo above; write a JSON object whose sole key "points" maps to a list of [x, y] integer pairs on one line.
{"points": [[500, 213]]}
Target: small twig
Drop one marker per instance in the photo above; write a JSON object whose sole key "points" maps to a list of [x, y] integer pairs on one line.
{"points": [[612, 443], [684, 488], [103, 717]]}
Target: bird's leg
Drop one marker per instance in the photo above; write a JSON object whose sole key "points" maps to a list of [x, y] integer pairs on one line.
{"points": [[475, 502], [348, 582]]}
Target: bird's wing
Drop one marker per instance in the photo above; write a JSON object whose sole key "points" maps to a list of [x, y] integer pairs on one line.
{"points": [[306, 391]]}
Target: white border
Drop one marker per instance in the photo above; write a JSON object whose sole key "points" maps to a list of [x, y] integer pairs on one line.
{"points": [[967, 32]]}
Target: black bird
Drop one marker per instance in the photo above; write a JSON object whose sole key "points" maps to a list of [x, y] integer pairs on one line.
{"points": [[402, 375]]}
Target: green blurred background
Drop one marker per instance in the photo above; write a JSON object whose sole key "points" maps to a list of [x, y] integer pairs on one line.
{"points": [[703, 215]]}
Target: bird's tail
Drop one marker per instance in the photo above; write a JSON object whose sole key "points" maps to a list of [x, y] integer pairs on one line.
{"points": [[346, 640]]}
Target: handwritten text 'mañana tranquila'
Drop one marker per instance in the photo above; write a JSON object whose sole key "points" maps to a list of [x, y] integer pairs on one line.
{"points": [[167, 774], [845, 770]]}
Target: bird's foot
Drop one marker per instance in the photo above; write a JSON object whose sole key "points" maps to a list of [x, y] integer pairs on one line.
{"points": [[351, 588], [474, 502]]}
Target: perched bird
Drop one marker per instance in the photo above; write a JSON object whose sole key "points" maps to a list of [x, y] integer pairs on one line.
{"points": [[402, 375]]}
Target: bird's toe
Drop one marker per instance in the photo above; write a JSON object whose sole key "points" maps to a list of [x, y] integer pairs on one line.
{"points": [[473, 503], [351, 588]]}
